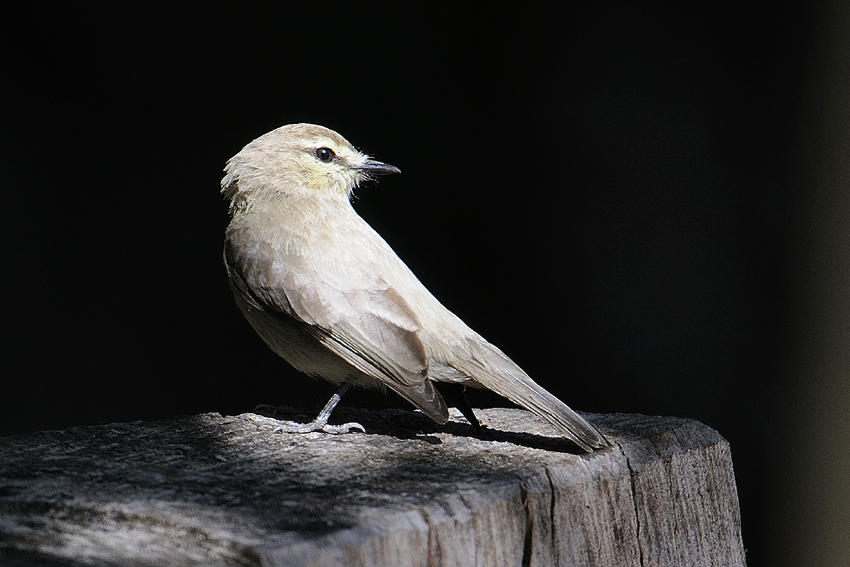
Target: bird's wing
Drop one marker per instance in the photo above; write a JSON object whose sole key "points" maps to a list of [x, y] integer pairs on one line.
{"points": [[375, 331], [369, 325]]}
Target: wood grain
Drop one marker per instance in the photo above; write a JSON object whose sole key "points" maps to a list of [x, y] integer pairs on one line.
{"points": [[226, 490]]}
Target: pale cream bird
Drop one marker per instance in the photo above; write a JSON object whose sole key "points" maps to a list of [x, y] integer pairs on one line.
{"points": [[330, 296]]}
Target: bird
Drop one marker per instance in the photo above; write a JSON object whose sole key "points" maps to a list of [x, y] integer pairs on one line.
{"points": [[330, 296]]}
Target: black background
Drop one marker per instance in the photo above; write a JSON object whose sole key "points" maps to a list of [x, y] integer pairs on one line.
{"points": [[617, 198]]}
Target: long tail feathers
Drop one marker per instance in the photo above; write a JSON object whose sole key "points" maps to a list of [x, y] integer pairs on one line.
{"points": [[491, 368]]}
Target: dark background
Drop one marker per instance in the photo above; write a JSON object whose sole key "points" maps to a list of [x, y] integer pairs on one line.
{"points": [[637, 205]]}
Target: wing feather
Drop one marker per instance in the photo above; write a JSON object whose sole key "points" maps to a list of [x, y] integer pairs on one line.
{"points": [[491, 368], [370, 327]]}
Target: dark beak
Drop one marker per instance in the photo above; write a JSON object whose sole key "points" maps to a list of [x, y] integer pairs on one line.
{"points": [[373, 167]]}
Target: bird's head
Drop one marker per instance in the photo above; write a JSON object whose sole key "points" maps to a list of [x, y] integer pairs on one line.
{"points": [[299, 159]]}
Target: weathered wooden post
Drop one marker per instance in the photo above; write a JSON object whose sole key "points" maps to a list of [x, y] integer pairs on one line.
{"points": [[216, 490]]}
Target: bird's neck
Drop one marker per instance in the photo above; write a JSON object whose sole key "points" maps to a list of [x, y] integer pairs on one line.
{"points": [[289, 203], [290, 212]]}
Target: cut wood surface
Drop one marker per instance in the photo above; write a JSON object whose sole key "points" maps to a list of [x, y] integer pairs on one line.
{"points": [[226, 490]]}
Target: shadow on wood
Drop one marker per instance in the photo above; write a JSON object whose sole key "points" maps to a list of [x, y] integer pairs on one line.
{"points": [[219, 490]]}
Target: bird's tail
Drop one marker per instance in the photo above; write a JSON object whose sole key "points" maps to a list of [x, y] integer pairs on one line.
{"points": [[491, 368]]}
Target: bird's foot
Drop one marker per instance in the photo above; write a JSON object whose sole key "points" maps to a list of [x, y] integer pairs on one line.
{"points": [[317, 425], [344, 428], [321, 421]]}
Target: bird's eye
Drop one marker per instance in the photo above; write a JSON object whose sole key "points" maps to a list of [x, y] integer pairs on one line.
{"points": [[325, 154]]}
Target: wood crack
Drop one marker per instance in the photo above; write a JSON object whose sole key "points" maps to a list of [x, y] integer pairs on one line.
{"points": [[638, 527]]}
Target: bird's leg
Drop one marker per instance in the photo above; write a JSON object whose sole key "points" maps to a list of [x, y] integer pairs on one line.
{"points": [[321, 421], [455, 395]]}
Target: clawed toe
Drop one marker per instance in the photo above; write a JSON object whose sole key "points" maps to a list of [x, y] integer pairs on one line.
{"points": [[293, 427], [344, 428]]}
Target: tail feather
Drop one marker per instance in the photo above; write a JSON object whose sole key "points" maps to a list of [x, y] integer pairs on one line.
{"points": [[491, 368]]}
